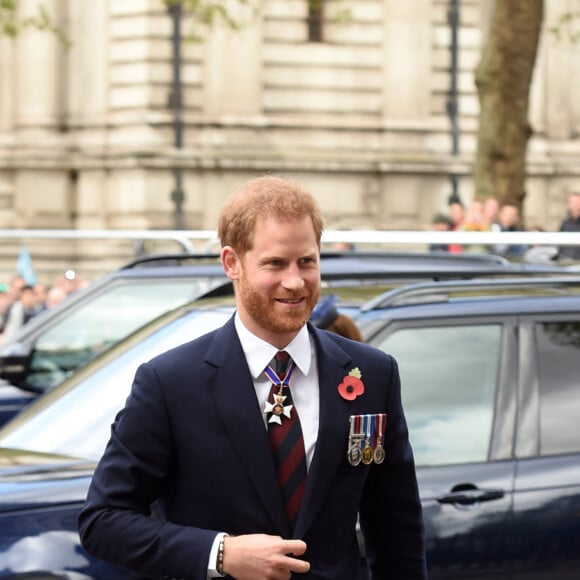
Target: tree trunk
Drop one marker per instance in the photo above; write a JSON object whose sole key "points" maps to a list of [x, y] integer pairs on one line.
{"points": [[503, 80]]}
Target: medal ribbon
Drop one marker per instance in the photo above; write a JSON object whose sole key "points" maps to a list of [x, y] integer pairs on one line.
{"points": [[275, 379], [381, 420]]}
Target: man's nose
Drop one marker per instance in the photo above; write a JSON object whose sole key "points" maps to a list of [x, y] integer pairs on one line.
{"points": [[293, 279]]}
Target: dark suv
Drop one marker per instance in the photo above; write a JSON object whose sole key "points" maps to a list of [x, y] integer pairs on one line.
{"points": [[53, 345], [490, 375]]}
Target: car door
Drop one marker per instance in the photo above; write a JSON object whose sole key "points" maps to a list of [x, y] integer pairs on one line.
{"points": [[455, 380], [547, 489]]}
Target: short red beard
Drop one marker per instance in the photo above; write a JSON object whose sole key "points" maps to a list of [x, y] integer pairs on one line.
{"points": [[263, 312]]}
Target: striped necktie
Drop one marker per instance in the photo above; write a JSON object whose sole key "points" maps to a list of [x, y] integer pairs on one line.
{"points": [[285, 435]]}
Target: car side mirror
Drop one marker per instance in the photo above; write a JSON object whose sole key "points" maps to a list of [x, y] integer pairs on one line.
{"points": [[14, 362]]}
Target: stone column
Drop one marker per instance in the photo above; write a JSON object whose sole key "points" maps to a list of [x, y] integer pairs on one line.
{"points": [[232, 83], [40, 153], [38, 95], [407, 79], [556, 73], [88, 90], [6, 88], [6, 131], [88, 68], [407, 60]]}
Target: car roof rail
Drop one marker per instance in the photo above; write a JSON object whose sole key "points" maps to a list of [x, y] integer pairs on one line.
{"points": [[169, 260], [467, 259], [378, 264], [462, 258], [422, 292]]}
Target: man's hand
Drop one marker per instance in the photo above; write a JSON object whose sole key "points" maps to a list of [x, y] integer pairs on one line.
{"points": [[263, 557]]}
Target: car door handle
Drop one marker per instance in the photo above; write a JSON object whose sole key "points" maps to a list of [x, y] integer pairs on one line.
{"points": [[471, 496]]}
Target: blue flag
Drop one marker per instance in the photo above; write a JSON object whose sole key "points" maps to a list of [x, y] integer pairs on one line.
{"points": [[24, 267]]}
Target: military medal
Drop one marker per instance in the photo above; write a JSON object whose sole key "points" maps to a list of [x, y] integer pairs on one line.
{"points": [[354, 453], [367, 452], [367, 455], [276, 407], [379, 454]]}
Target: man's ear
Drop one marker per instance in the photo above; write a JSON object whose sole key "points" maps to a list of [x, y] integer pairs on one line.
{"points": [[230, 262]]}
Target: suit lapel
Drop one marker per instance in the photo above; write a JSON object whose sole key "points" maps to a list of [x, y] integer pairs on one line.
{"points": [[333, 364], [235, 399]]}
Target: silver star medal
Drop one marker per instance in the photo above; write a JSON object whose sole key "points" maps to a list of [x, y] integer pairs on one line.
{"points": [[277, 408]]}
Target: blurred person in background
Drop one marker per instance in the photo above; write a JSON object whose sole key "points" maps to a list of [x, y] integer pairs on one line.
{"points": [[326, 316], [64, 284], [25, 307], [509, 218], [40, 292], [55, 295], [475, 220], [68, 281], [4, 304], [457, 217], [440, 223], [490, 213], [9, 297], [571, 223], [15, 284]]}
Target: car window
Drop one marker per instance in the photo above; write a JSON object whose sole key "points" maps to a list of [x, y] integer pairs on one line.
{"points": [[76, 421], [103, 320], [558, 346], [449, 377]]}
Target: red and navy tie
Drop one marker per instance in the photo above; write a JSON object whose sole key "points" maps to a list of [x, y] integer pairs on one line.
{"points": [[287, 442]]}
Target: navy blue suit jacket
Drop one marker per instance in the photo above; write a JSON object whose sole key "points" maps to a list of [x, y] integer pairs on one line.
{"points": [[191, 442]]}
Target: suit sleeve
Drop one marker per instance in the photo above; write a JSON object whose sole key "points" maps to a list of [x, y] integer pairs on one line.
{"points": [[117, 523], [390, 510]]}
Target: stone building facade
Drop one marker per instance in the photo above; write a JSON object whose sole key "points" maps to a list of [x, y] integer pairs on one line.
{"points": [[87, 133]]}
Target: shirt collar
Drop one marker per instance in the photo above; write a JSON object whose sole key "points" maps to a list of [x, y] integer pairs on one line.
{"points": [[259, 353]]}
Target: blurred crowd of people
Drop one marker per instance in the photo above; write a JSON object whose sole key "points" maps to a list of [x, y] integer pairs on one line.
{"points": [[489, 216], [21, 300]]}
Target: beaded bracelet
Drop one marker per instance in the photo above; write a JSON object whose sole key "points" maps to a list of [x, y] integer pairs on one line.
{"points": [[220, 557]]}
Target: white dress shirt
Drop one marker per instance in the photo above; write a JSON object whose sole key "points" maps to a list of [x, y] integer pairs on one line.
{"points": [[304, 387]]}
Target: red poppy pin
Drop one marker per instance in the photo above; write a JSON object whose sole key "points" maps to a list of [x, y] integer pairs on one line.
{"points": [[351, 386]]}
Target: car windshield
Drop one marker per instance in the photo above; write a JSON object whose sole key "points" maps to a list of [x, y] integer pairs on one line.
{"points": [[76, 421], [98, 323]]}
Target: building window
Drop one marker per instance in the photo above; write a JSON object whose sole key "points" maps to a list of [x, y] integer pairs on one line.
{"points": [[314, 21]]}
